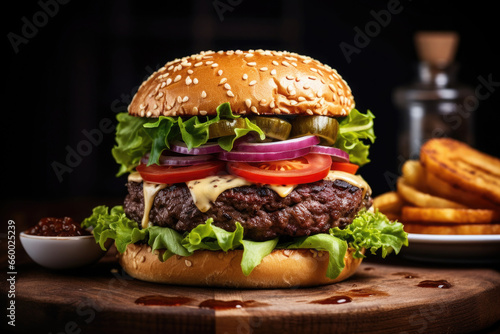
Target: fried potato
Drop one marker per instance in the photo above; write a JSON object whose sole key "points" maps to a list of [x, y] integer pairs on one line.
{"points": [[452, 228], [441, 188], [389, 202], [421, 199], [464, 167], [448, 215], [414, 174]]}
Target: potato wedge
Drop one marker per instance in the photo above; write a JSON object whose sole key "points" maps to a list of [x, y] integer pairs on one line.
{"points": [[452, 228], [424, 200], [414, 174], [448, 215], [463, 166], [439, 187], [389, 202]]}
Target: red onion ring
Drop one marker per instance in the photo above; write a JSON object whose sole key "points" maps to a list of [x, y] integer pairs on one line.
{"points": [[238, 156], [179, 160], [278, 146], [181, 147], [336, 153]]}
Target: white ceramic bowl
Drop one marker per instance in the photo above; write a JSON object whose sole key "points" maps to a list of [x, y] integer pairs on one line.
{"points": [[62, 252]]}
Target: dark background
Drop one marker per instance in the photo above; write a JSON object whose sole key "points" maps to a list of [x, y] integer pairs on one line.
{"points": [[83, 63]]}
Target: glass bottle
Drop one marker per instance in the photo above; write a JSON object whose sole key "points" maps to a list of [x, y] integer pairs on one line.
{"points": [[434, 104]]}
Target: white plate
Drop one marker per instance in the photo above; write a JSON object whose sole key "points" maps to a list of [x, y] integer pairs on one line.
{"points": [[453, 248]]}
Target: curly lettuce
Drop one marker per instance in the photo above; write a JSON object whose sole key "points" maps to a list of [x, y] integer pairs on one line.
{"points": [[355, 130], [370, 230]]}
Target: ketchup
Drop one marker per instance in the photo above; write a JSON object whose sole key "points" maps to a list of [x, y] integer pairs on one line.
{"points": [[57, 227]]}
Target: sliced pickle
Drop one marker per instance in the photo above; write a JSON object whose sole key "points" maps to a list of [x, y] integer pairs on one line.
{"points": [[225, 127], [273, 127], [324, 127]]}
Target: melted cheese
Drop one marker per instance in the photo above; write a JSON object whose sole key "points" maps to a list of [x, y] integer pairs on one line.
{"points": [[205, 191], [355, 180], [150, 190]]}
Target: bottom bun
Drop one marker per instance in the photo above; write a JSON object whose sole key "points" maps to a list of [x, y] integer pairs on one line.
{"points": [[280, 269], [461, 229]]}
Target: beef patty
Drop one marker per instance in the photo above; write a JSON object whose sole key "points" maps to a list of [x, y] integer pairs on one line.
{"points": [[309, 209]]}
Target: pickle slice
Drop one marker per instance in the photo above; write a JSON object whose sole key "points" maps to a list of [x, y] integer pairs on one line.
{"points": [[225, 127], [324, 127], [273, 127]]}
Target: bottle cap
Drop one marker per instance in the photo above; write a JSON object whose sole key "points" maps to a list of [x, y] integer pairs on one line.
{"points": [[436, 47]]}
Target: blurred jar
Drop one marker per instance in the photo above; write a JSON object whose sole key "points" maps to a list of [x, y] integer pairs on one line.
{"points": [[432, 105]]}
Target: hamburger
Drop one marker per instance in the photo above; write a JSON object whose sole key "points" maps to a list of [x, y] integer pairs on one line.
{"points": [[242, 172]]}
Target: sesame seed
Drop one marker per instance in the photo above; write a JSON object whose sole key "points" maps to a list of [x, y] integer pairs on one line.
{"points": [[163, 84], [189, 71], [198, 64], [227, 86], [289, 77], [262, 102], [188, 81], [203, 112], [177, 78], [209, 62], [248, 103], [293, 102], [312, 77], [314, 70], [273, 72], [142, 106], [203, 94], [301, 98], [169, 81], [253, 82], [252, 63], [294, 64], [254, 109], [222, 81], [263, 69], [309, 112], [293, 92], [159, 95], [195, 110], [238, 52], [284, 62], [230, 94], [149, 113], [249, 55], [170, 67], [179, 99], [188, 263], [185, 99], [195, 81], [272, 105], [186, 64], [245, 76], [219, 72], [215, 65], [332, 87], [275, 63], [307, 61]]}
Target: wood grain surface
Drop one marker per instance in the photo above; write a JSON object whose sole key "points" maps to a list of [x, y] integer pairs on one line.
{"points": [[382, 297]]}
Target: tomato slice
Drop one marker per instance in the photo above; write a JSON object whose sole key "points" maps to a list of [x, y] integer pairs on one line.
{"points": [[345, 167], [171, 174], [306, 169]]}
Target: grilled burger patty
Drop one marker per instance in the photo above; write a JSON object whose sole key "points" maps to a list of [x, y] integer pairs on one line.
{"points": [[309, 209]]}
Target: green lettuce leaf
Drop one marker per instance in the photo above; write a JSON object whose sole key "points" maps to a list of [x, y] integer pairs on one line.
{"points": [[370, 230], [354, 130], [373, 231], [335, 247], [160, 133], [132, 142]]}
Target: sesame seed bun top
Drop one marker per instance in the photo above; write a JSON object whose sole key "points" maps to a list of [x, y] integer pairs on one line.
{"points": [[254, 82]]}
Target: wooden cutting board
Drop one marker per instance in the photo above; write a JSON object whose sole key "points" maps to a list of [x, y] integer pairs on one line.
{"points": [[382, 297]]}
